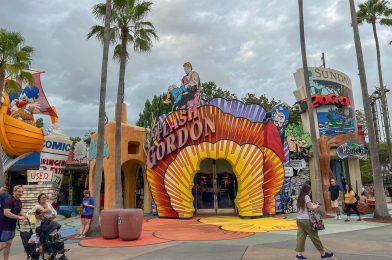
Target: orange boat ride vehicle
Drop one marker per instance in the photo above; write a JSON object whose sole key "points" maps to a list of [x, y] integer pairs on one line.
{"points": [[16, 136]]}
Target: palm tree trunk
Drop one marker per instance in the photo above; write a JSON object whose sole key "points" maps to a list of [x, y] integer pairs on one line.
{"points": [[318, 180], [381, 204], [2, 174], [95, 229], [118, 203], [383, 94]]}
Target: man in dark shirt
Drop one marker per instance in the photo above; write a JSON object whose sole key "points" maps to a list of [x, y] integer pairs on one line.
{"points": [[335, 197], [10, 213]]}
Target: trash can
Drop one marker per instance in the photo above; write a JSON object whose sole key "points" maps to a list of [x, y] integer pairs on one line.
{"points": [[109, 219], [130, 223]]}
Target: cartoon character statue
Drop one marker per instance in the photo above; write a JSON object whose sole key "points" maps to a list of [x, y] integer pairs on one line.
{"points": [[188, 94], [24, 106]]}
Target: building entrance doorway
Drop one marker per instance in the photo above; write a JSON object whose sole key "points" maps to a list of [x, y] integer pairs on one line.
{"points": [[215, 188]]}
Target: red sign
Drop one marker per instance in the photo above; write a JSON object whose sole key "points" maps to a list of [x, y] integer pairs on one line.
{"points": [[39, 176], [321, 100]]}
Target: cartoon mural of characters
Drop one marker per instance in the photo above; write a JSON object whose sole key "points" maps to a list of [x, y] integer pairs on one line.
{"points": [[333, 121], [24, 106], [300, 142], [188, 94], [280, 116]]}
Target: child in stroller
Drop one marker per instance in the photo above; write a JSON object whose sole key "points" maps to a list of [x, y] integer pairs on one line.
{"points": [[50, 242], [34, 240]]}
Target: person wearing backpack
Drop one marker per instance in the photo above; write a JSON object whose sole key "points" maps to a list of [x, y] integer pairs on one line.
{"points": [[351, 200], [88, 205], [305, 205]]}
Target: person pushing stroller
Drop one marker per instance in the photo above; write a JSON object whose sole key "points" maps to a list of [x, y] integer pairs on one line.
{"points": [[46, 241]]}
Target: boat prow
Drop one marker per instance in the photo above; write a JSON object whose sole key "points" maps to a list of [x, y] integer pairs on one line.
{"points": [[17, 137]]}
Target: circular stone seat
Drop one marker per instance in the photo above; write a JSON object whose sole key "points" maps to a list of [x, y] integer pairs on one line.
{"points": [[130, 223], [109, 223]]}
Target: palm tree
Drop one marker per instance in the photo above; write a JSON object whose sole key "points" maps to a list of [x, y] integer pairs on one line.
{"points": [[373, 12], [15, 60], [95, 229], [318, 180], [381, 210], [128, 26]]}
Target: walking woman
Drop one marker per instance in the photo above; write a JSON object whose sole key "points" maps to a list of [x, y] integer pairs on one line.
{"points": [[88, 205], [304, 204], [350, 202]]}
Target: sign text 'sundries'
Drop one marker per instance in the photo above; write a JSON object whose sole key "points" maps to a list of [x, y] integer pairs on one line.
{"points": [[174, 136]]}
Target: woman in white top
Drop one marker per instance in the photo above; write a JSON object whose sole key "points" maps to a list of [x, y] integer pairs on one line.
{"points": [[43, 209], [304, 204]]}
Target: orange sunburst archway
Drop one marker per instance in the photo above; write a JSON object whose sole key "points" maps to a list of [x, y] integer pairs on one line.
{"points": [[185, 138], [247, 164]]}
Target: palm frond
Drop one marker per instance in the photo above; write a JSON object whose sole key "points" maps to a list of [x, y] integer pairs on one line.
{"points": [[142, 9], [121, 4], [147, 34], [27, 77], [129, 15], [386, 21], [145, 24], [97, 31], [373, 10], [27, 49], [11, 69], [117, 53], [12, 86], [99, 11], [142, 45], [22, 57]]}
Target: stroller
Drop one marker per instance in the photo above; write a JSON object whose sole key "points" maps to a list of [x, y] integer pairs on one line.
{"points": [[50, 239]]}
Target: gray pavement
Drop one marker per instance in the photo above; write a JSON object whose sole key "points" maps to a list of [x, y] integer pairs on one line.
{"points": [[349, 241]]}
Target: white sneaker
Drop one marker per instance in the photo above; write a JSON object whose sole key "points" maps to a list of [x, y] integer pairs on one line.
{"points": [[339, 217]]}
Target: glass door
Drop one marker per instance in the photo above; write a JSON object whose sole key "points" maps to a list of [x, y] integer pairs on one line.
{"points": [[226, 193], [214, 193]]}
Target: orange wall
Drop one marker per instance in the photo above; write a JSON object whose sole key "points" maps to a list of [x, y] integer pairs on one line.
{"points": [[129, 164]]}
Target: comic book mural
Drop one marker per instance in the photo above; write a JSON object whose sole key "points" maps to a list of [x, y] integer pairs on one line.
{"points": [[297, 170], [240, 134]]}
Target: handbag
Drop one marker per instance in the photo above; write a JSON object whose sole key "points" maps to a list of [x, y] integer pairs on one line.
{"points": [[357, 197], [316, 220]]}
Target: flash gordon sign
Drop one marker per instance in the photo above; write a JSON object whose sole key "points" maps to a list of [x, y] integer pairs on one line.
{"points": [[174, 136], [321, 100]]}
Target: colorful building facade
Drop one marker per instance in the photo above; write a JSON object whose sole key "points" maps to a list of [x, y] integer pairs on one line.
{"points": [[340, 146], [220, 156]]}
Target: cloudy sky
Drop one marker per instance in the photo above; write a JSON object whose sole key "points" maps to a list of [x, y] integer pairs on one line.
{"points": [[244, 46]]}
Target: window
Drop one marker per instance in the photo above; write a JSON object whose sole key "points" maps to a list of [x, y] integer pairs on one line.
{"points": [[133, 147]]}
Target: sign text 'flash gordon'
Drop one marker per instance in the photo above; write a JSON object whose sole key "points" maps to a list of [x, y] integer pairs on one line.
{"points": [[174, 136]]}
